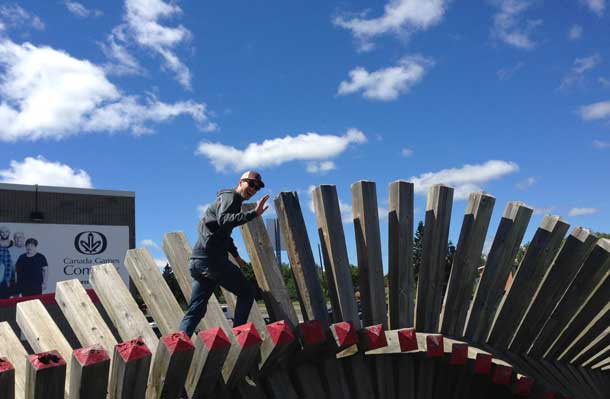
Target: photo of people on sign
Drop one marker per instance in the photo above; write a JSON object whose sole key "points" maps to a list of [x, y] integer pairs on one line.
{"points": [[34, 257]]}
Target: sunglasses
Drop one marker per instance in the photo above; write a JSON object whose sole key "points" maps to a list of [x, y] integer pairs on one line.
{"points": [[252, 184]]}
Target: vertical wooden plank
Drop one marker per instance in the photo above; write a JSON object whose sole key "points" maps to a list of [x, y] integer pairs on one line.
{"points": [[11, 347], [536, 262], [268, 276], [7, 379], [241, 358], [593, 271], [42, 333], [431, 272], [490, 290], [330, 227], [171, 365], [466, 261], [211, 349], [591, 341], [401, 290], [130, 369], [45, 376], [120, 305], [90, 368], [302, 262], [577, 247]]}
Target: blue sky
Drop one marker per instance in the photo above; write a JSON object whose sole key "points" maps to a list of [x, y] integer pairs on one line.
{"points": [[173, 100]]}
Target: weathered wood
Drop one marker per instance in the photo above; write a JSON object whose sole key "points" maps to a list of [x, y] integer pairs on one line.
{"points": [[591, 342], [268, 275], [178, 250], [302, 263], [130, 368], [466, 260], [149, 281], [90, 368], [432, 269], [211, 349], [427, 366], [577, 247], [593, 271], [122, 309], [42, 333], [45, 376], [15, 353], [538, 258], [171, 365], [330, 228], [401, 287], [7, 379], [242, 357], [490, 289]]}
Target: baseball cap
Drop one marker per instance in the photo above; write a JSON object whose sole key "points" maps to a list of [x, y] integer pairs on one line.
{"points": [[253, 175]]}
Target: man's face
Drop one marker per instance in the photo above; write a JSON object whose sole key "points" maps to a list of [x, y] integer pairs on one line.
{"points": [[19, 239], [4, 233], [249, 188], [30, 249]]}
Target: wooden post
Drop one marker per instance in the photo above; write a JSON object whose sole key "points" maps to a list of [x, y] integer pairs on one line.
{"points": [[120, 305], [593, 272], [466, 261], [171, 365], [431, 271], [15, 353], [240, 360], [211, 349], [427, 366], [7, 379], [130, 368], [46, 376], [401, 290], [536, 262], [42, 333], [490, 290], [591, 342], [268, 276], [577, 247], [89, 370]]}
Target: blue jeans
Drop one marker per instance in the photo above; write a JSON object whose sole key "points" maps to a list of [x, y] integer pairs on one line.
{"points": [[207, 274]]}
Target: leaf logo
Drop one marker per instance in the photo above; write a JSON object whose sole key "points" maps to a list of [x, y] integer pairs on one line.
{"points": [[90, 242]]}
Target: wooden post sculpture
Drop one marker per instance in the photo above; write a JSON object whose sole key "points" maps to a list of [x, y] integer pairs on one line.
{"points": [[7, 379], [15, 353], [211, 350], [130, 369], [90, 368], [46, 376], [171, 365]]}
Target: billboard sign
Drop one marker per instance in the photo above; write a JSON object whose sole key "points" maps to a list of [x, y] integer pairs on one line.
{"points": [[40, 255]]}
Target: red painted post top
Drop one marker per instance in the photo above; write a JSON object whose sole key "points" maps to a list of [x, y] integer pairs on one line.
{"points": [[312, 332], [482, 364], [91, 354], [345, 333], [407, 338], [46, 360], [280, 333], [525, 385], [375, 337], [435, 346], [214, 338], [133, 350], [5, 365], [177, 342], [247, 335], [502, 374], [459, 353]]}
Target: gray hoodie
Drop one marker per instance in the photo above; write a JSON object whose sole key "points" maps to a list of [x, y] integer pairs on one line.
{"points": [[218, 222]]}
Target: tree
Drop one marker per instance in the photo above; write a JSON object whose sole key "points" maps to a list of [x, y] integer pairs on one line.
{"points": [[418, 248], [172, 282]]}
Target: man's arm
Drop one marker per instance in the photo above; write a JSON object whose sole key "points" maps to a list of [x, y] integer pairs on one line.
{"points": [[228, 220]]}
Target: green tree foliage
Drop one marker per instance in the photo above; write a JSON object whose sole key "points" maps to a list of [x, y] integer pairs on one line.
{"points": [[418, 248], [172, 282], [602, 235]]}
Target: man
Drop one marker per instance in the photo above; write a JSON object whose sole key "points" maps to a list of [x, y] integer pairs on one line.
{"points": [[209, 264], [31, 269], [16, 251], [6, 263]]}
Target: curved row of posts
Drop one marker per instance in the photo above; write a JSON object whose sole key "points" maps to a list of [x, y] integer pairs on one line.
{"points": [[546, 336]]}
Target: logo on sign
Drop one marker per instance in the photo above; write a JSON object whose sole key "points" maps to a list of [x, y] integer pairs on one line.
{"points": [[90, 242]]}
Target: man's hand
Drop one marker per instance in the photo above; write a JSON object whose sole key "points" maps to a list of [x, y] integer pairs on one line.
{"points": [[260, 205], [240, 262]]}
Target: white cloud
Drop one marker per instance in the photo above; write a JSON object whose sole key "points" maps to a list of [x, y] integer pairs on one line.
{"points": [[575, 32], [466, 179], [603, 81], [407, 152], [401, 17], [601, 145], [582, 211], [14, 16], [544, 210], [121, 61], [161, 263], [142, 26], [320, 167], [596, 6], [150, 243], [599, 110], [509, 72], [80, 10], [274, 152], [509, 27], [40, 171], [388, 83], [524, 184], [46, 93], [202, 208], [580, 67]]}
